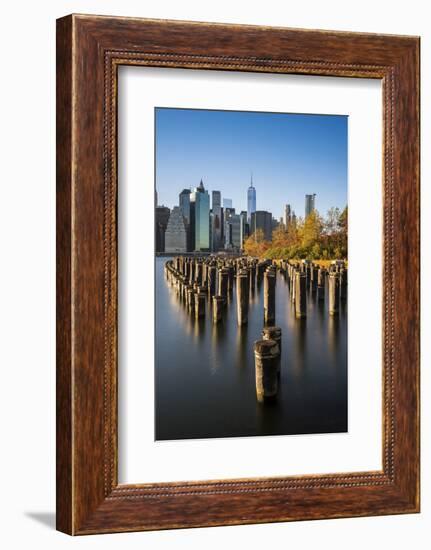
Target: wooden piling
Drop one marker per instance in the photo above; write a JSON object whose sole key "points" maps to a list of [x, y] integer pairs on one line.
{"points": [[192, 269], [190, 298], [218, 303], [266, 361], [321, 284], [269, 297], [242, 298], [343, 284], [198, 273], [223, 282], [273, 333], [252, 276], [313, 278], [300, 295], [200, 305], [334, 293], [211, 276]]}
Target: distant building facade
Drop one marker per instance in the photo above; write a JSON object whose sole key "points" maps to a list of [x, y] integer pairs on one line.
{"points": [[260, 219], [200, 219], [161, 221], [227, 203], [310, 204], [176, 232]]}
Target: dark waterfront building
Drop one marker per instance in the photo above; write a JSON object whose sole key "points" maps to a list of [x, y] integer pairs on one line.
{"points": [[216, 221], [287, 215], [184, 201], [262, 220], [200, 219], [232, 230], [184, 198], [244, 227], [161, 222], [310, 204]]}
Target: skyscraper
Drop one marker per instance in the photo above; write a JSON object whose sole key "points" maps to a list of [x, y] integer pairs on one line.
{"points": [[185, 204], [176, 234], [184, 201], [227, 203], [235, 231], [251, 200], [200, 219], [287, 215], [310, 204], [216, 226], [260, 219], [161, 221], [244, 227]]}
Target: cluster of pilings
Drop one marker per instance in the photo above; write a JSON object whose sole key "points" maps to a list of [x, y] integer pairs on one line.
{"points": [[196, 279], [308, 276], [211, 281]]}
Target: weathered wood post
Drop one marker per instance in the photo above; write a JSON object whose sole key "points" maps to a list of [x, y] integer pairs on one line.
{"points": [[242, 298], [212, 272], [300, 295], [266, 361], [231, 277], [261, 266], [313, 277], [273, 333], [223, 282], [269, 297], [199, 305], [192, 269], [343, 284], [252, 272], [198, 273], [218, 303], [204, 274], [334, 293], [321, 284], [293, 284], [187, 269], [190, 298], [187, 287]]}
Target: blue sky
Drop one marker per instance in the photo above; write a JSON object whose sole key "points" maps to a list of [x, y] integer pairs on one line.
{"points": [[289, 155]]}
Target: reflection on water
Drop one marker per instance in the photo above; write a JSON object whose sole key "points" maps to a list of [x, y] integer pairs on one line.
{"points": [[204, 373]]}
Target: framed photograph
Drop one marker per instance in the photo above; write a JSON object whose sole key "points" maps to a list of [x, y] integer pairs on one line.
{"points": [[237, 274]]}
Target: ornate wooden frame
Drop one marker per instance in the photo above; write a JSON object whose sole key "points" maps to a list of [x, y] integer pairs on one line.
{"points": [[89, 51]]}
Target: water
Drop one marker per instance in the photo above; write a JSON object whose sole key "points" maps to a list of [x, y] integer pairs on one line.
{"points": [[204, 373]]}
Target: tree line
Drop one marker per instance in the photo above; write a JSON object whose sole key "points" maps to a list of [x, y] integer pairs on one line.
{"points": [[314, 238]]}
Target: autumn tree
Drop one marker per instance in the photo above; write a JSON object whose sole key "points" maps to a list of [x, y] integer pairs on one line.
{"points": [[313, 237], [311, 230], [256, 245]]}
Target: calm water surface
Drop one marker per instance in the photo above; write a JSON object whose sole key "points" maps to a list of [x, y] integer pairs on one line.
{"points": [[204, 373]]}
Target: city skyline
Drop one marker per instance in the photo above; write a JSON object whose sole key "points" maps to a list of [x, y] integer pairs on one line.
{"points": [[288, 156]]}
